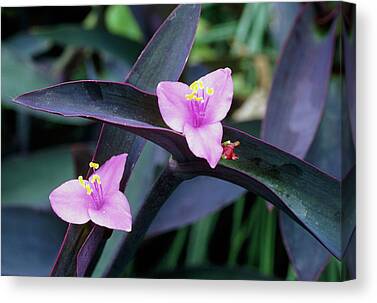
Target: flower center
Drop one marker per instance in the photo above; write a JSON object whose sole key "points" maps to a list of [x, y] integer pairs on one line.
{"points": [[198, 99], [93, 187]]}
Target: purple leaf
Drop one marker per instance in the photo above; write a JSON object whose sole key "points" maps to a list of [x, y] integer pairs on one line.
{"points": [[295, 107], [299, 87], [146, 73], [308, 257], [193, 200], [308, 195], [349, 45], [175, 35], [333, 152]]}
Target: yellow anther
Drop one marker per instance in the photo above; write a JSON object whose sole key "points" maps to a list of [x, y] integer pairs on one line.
{"points": [[210, 91], [88, 189], [81, 180], [96, 178], [190, 96], [194, 86], [94, 165], [201, 86], [198, 98]]}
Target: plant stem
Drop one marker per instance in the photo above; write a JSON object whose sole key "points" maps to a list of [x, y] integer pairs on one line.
{"points": [[162, 189]]}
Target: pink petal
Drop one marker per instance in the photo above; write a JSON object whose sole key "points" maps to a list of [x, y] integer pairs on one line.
{"points": [[205, 141], [173, 105], [111, 173], [220, 102], [115, 212], [70, 202]]}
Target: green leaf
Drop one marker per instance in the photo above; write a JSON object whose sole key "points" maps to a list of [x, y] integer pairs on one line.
{"points": [[200, 234], [95, 39], [20, 74], [28, 180], [29, 241], [120, 21], [212, 272]]}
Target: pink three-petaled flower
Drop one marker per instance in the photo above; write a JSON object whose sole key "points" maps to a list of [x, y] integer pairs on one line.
{"points": [[196, 111], [97, 199]]}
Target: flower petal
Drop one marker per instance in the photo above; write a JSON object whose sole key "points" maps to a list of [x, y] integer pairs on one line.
{"points": [[205, 141], [221, 100], [174, 107], [111, 173], [70, 202], [115, 212]]}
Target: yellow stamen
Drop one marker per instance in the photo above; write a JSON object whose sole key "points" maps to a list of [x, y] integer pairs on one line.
{"points": [[198, 98], [201, 86], [210, 91], [190, 96], [96, 178], [88, 189], [194, 86], [94, 165], [81, 180]]}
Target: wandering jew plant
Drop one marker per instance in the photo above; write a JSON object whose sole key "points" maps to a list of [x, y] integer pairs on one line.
{"points": [[197, 111], [97, 199], [290, 164]]}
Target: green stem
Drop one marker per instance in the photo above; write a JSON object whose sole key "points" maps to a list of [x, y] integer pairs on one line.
{"points": [[171, 259], [267, 255], [237, 235], [200, 233]]}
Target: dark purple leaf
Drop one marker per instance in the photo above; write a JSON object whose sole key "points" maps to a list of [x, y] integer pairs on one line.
{"points": [[175, 34], [350, 257], [308, 195], [307, 255], [349, 45], [299, 87], [91, 249], [81, 154], [167, 182], [192, 200], [332, 151], [295, 107]]}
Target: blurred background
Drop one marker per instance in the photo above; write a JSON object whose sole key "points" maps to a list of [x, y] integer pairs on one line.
{"points": [[238, 237]]}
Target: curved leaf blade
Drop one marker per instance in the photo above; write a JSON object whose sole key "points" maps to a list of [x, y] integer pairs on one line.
{"points": [[308, 195], [114, 140], [299, 87], [193, 200]]}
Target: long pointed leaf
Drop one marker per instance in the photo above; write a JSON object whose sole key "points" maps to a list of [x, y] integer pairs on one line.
{"points": [[299, 88], [174, 34], [308, 195], [193, 200], [299, 91]]}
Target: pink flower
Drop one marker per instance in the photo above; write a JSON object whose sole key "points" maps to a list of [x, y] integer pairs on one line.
{"points": [[196, 111], [99, 199]]}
